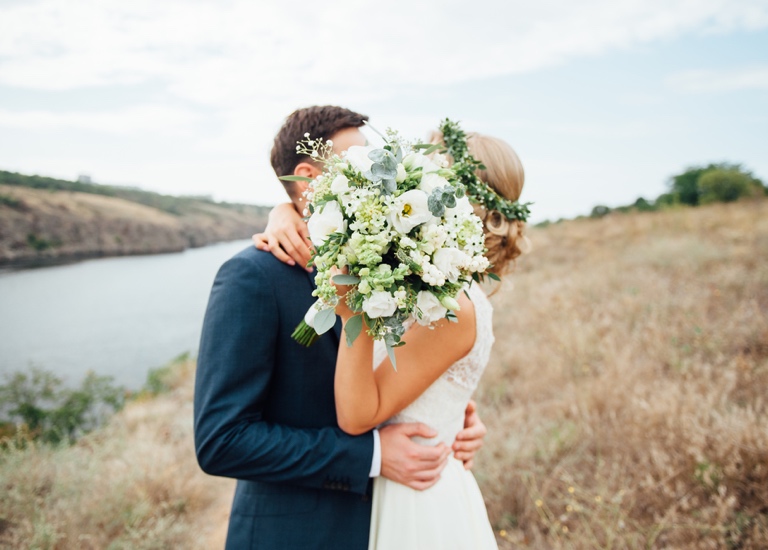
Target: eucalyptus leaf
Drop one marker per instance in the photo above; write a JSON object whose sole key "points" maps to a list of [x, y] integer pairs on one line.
{"points": [[449, 200], [389, 185], [494, 276], [324, 320], [353, 328], [435, 205], [377, 155], [344, 279], [383, 172], [390, 163], [432, 148], [391, 353], [295, 178]]}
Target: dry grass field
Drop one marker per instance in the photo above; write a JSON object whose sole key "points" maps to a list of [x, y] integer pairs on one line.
{"points": [[625, 400]]}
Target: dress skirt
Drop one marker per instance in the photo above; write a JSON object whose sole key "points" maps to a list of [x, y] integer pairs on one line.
{"points": [[449, 515]]}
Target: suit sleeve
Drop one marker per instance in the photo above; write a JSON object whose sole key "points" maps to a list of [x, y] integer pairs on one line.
{"points": [[235, 363]]}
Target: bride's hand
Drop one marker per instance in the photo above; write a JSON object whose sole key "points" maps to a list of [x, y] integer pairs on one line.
{"points": [[470, 439], [286, 236]]}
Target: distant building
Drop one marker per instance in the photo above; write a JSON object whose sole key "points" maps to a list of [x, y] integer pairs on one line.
{"points": [[84, 178]]}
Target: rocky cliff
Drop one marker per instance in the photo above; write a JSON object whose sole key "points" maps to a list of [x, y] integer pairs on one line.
{"points": [[39, 225]]}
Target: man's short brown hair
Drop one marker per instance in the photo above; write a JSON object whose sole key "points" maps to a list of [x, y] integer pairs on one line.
{"points": [[320, 122]]}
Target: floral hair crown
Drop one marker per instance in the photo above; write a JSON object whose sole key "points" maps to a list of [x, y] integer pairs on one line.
{"points": [[465, 165]]}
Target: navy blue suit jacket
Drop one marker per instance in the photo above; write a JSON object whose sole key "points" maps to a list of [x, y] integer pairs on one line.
{"points": [[265, 414]]}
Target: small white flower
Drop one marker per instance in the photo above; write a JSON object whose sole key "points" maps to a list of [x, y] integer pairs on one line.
{"points": [[379, 304], [409, 210], [463, 206], [326, 220], [306, 134], [449, 261], [430, 307], [330, 143], [440, 160]]}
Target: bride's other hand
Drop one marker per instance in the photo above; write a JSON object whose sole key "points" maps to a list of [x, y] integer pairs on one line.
{"points": [[408, 463], [470, 439], [286, 236]]}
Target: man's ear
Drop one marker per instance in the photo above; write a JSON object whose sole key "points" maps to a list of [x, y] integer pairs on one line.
{"points": [[307, 170]]}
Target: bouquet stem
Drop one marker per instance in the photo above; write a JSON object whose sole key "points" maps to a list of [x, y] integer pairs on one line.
{"points": [[305, 334]]}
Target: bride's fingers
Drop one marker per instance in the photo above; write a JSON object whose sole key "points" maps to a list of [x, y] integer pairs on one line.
{"points": [[467, 445], [260, 241]]}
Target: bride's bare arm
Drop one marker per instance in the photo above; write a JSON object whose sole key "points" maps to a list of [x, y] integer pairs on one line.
{"points": [[365, 397], [286, 236]]}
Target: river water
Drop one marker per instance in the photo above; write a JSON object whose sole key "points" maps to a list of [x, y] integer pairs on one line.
{"points": [[114, 316]]}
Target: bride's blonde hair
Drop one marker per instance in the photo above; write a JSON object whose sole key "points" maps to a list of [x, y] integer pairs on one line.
{"points": [[505, 239]]}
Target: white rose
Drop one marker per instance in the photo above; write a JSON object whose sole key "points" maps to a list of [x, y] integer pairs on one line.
{"points": [[463, 206], [326, 220], [417, 160], [379, 304], [432, 181], [340, 184], [409, 210], [448, 261], [357, 156], [430, 307], [401, 174]]}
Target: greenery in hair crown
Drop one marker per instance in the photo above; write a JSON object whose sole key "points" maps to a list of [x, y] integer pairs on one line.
{"points": [[465, 165]]}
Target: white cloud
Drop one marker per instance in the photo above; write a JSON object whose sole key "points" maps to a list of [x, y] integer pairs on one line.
{"points": [[224, 73], [218, 52], [130, 121], [730, 80]]}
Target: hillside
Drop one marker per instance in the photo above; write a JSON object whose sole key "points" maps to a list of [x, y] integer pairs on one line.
{"points": [[625, 402], [44, 219]]}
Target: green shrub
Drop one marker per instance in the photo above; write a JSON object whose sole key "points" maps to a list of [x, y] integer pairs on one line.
{"points": [[8, 200], [726, 185], [38, 403], [40, 244]]}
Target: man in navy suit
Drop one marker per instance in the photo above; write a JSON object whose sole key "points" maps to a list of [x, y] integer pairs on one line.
{"points": [[264, 405]]}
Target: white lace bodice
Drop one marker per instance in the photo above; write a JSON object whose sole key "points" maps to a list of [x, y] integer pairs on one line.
{"points": [[443, 403]]}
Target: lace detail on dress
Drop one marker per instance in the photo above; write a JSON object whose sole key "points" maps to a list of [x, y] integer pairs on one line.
{"points": [[442, 405], [468, 370]]}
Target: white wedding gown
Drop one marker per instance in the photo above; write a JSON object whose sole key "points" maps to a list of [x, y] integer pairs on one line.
{"points": [[451, 514]]}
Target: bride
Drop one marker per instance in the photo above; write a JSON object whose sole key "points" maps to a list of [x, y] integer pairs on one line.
{"points": [[437, 371]]}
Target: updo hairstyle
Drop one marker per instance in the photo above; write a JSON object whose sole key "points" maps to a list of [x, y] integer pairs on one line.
{"points": [[504, 239]]}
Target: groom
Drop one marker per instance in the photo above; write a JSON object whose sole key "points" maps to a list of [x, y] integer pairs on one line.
{"points": [[264, 405]]}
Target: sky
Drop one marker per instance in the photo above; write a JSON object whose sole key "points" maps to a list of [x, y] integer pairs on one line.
{"points": [[603, 100]]}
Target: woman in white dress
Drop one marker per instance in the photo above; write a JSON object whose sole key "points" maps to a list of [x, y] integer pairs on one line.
{"points": [[437, 371]]}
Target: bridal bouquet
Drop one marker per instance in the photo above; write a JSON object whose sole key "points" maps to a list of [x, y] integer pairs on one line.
{"points": [[397, 221]]}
